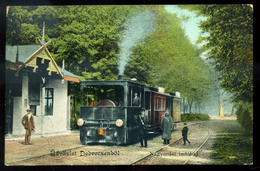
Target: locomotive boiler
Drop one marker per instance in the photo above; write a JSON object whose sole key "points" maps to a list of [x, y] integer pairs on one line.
{"points": [[112, 114]]}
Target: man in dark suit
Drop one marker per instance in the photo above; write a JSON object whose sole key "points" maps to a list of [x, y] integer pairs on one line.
{"points": [[136, 100], [143, 124], [28, 124]]}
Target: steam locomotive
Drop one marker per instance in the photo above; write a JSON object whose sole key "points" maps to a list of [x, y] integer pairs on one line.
{"points": [[114, 118]]}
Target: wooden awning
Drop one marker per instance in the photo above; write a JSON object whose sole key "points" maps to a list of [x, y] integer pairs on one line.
{"points": [[73, 79]]}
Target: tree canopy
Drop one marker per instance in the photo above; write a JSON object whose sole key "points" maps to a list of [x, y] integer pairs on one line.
{"points": [[231, 46]]}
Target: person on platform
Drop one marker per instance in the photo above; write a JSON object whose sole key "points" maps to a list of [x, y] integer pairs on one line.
{"points": [[136, 100], [166, 127], [185, 134], [28, 124], [143, 125]]}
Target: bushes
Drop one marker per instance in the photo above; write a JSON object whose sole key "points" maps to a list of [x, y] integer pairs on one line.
{"points": [[73, 121], [245, 115], [194, 117]]}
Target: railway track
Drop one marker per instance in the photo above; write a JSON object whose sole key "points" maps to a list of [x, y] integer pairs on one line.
{"points": [[175, 142], [204, 142]]}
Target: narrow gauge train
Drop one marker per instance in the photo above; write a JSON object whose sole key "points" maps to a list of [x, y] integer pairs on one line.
{"points": [[114, 118]]}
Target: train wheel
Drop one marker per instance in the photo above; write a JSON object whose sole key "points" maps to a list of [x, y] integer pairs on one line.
{"points": [[117, 141], [84, 143]]}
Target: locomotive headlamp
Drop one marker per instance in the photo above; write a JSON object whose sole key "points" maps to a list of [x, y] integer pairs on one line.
{"points": [[80, 122], [119, 122]]}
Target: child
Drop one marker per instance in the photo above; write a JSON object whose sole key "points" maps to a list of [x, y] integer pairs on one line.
{"points": [[185, 134]]}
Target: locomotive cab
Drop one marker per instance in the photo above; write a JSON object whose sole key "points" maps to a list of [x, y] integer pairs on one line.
{"points": [[109, 112]]}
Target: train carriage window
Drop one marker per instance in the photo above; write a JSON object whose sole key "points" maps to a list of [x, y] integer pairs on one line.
{"points": [[159, 103], [163, 106], [155, 103]]}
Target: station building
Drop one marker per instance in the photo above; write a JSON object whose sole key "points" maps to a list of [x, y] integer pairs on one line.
{"points": [[34, 80]]}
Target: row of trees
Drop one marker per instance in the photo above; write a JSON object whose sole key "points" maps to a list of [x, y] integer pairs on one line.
{"points": [[231, 50]]}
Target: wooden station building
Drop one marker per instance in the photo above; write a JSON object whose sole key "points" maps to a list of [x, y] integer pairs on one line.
{"points": [[35, 81]]}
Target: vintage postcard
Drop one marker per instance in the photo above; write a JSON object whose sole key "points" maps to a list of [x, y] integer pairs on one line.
{"points": [[129, 85]]}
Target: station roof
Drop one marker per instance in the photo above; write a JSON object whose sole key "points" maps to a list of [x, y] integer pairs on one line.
{"points": [[25, 52]]}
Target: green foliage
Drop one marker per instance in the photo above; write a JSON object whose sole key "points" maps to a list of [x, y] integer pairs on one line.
{"points": [[231, 46], [245, 115], [231, 50], [233, 147], [87, 38], [24, 24], [194, 117], [168, 59], [73, 121], [75, 93]]}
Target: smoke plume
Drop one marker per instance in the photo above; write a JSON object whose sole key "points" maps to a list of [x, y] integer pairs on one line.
{"points": [[137, 28]]}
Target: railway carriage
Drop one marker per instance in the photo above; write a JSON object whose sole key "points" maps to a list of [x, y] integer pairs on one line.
{"points": [[114, 117]]}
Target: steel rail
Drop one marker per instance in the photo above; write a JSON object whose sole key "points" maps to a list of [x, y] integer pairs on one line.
{"points": [[162, 147], [204, 142]]}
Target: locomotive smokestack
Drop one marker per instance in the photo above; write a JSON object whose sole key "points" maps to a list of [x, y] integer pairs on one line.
{"points": [[119, 77]]}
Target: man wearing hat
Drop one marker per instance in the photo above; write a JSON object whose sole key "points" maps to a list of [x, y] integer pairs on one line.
{"points": [[28, 124], [185, 133], [143, 125]]}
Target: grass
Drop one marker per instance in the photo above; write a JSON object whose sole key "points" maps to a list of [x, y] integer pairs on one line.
{"points": [[233, 147], [194, 117]]}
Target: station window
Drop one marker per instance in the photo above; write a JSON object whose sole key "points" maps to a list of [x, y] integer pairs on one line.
{"points": [[49, 101]]}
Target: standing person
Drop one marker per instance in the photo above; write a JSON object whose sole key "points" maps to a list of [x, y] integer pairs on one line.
{"points": [[166, 126], [143, 124], [185, 133], [28, 124], [136, 100]]}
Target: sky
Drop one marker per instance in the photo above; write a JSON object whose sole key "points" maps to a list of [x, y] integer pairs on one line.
{"points": [[191, 26]]}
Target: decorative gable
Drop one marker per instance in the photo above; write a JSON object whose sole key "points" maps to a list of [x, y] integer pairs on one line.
{"points": [[41, 60]]}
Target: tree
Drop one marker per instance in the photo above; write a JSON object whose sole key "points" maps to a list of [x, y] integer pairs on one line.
{"points": [[167, 58], [231, 46], [87, 38], [24, 24], [231, 49]]}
